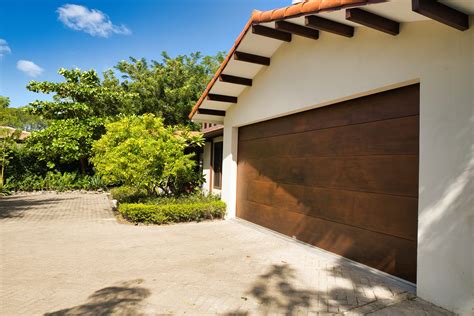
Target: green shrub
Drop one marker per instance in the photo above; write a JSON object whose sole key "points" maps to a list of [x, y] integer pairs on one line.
{"points": [[4, 190], [55, 181], [126, 194], [172, 213], [140, 151], [183, 199]]}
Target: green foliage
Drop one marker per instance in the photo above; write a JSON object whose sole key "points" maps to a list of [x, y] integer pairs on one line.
{"points": [[7, 146], [170, 88], [81, 104], [4, 191], [4, 102], [197, 197], [172, 213], [55, 181], [140, 151], [21, 119], [125, 194], [81, 95], [18, 117], [24, 161], [65, 141]]}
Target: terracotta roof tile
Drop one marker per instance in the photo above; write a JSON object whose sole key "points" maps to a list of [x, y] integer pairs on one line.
{"points": [[295, 10]]}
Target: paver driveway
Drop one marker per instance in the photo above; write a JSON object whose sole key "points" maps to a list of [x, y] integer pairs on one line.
{"points": [[65, 254]]}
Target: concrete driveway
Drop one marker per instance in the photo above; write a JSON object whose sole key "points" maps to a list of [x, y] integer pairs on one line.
{"points": [[65, 254]]}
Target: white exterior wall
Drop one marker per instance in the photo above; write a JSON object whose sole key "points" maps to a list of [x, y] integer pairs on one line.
{"points": [[306, 74], [206, 167]]}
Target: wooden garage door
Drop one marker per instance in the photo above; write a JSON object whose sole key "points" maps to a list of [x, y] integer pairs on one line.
{"points": [[343, 178]]}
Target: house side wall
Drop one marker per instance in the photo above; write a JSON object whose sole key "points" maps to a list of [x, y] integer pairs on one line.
{"points": [[306, 74], [206, 167]]}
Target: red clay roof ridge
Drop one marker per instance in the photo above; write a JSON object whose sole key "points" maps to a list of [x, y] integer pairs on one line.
{"points": [[303, 8]]}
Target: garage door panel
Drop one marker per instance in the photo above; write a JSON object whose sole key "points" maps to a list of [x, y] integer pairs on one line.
{"points": [[388, 214], [384, 252], [386, 105], [388, 174], [374, 138], [342, 177]]}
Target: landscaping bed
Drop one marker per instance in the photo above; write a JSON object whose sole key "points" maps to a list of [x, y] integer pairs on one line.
{"points": [[135, 206]]}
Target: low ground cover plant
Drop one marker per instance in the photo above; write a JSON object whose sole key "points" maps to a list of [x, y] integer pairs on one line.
{"points": [[55, 181], [172, 213]]}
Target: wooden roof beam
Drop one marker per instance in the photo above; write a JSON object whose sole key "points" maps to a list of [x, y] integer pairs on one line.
{"points": [[330, 26], [297, 29], [441, 13], [235, 80], [211, 112], [221, 98], [251, 58], [373, 20], [271, 33]]}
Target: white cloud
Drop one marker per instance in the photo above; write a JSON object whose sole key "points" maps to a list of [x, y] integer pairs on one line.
{"points": [[91, 21], [29, 68], [4, 48]]}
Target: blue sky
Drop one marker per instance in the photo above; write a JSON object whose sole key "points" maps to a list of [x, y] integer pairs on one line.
{"points": [[37, 37]]}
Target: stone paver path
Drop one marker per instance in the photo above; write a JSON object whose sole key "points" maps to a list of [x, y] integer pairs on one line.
{"points": [[65, 254]]}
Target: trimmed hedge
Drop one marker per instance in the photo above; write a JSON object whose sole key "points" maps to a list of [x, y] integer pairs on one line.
{"points": [[172, 213], [126, 194]]}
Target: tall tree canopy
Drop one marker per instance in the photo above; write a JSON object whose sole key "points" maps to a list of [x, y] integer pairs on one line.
{"points": [[169, 88], [81, 95], [4, 102], [80, 106], [18, 117], [83, 102]]}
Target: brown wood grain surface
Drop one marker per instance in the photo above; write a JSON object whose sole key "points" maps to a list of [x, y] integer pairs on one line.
{"points": [[342, 177]]}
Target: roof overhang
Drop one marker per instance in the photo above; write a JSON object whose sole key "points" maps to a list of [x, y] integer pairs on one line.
{"points": [[266, 32]]}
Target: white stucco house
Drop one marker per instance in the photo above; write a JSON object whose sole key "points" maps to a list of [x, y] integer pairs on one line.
{"points": [[349, 125]]}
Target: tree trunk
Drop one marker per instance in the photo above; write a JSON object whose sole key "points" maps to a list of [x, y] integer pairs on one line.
{"points": [[3, 172], [83, 165]]}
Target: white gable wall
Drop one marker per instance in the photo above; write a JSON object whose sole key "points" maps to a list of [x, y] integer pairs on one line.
{"points": [[206, 167], [305, 74]]}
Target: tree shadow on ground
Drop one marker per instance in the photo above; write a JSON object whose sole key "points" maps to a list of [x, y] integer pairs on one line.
{"points": [[352, 290], [278, 291], [123, 298], [274, 289], [16, 206]]}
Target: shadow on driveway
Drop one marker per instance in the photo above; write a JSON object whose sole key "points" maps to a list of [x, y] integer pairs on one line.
{"points": [[15, 206], [123, 299]]}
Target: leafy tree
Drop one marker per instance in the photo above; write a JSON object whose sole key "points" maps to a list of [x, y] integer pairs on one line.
{"points": [[66, 141], [82, 95], [83, 102], [80, 106], [4, 102], [170, 88], [21, 119], [141, 152], [8, 141]]}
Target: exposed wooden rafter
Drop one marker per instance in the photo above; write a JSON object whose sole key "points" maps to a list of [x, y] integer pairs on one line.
{"points": [[441, 13], [373, 20], [297, 29], [251, 58], [211, 112], [221, 98], [235, 80], [330, 26], [272, 33]]}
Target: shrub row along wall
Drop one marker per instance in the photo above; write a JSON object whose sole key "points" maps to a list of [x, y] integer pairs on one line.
{"points": [[172, 213]]}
